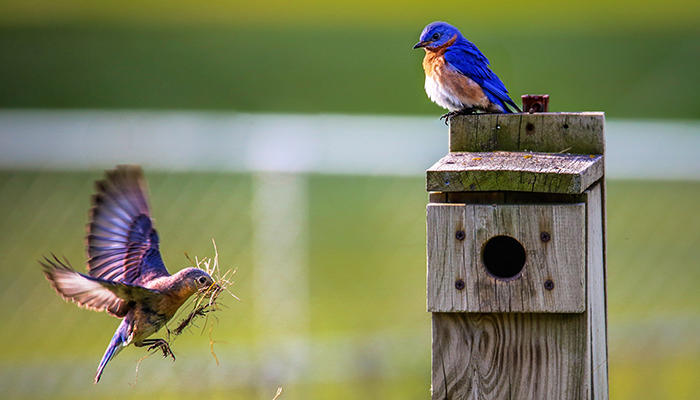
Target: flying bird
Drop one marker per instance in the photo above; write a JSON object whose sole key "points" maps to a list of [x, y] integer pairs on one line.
{"points": [[457, 74], [125, 276]]}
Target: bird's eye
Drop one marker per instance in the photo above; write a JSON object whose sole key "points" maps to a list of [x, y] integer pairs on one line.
{"points": [[436, 36], [202, 280]]}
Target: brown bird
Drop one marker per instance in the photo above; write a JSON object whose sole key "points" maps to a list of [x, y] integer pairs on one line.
{"points": [[126, 275]]}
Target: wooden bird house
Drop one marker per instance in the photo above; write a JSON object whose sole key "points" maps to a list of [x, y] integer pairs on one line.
{"points": [[516, 258]]}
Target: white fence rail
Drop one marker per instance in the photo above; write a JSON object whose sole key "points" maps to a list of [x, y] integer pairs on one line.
{"points": [[374, 145]]}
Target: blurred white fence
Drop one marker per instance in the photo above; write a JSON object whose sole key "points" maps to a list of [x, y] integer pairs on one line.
{"points": [[334, 144]]}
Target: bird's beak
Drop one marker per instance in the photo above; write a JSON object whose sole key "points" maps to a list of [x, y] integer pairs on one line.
{"points": [[421, 44]]}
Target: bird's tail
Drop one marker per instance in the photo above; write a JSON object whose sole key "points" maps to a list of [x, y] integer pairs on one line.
{"points": [[506, 104], [119, 341], [512, 103]]}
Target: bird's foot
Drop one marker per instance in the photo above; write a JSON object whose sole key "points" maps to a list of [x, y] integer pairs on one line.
{"points": [[159, 344], [465, 111], [448, 116]]}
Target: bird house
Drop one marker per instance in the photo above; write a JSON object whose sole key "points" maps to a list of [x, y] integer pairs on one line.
{"points": [[516, 258]]}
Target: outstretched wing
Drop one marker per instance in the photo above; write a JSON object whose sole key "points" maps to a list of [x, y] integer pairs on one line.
{"points": [[122, 245], [93, 293], [469, 60]]}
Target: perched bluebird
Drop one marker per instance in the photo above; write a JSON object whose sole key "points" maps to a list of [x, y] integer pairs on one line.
{"points": [[126, 275], [457, 74]]}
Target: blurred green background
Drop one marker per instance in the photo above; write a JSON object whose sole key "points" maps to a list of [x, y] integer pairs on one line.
{"points": [[367, 335], [629, 58]]}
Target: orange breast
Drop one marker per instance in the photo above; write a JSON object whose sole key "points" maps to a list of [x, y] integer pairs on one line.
{"points": [[434, 60], [457, 88], [170, 303]]}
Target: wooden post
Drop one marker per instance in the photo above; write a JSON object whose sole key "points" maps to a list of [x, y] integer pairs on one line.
{"points": [[516, 258]]}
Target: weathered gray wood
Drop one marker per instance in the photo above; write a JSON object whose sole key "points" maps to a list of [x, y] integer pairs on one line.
{"points": [[576, 133], [597, 318], [509, 356], [438, 197], [514, 171], [444, 221], [561, 259], [496, 338]]}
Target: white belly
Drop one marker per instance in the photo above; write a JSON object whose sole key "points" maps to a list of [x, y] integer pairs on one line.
{"points": [[441, 95]]}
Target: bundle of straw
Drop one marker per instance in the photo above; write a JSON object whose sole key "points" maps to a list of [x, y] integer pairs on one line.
{"points": [[205, 301]]}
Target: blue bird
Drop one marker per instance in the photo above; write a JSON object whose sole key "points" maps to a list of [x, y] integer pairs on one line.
{"points": [[457, 74], [126, 275]]}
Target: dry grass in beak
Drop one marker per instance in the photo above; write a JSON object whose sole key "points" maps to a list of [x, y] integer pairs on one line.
{"points": [[205, 301]]}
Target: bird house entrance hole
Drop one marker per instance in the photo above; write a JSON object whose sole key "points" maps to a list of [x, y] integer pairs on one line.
{"points": [[504, 257]]}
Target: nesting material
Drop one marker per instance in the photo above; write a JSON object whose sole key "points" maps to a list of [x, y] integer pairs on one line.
{"points": [[205, 301]]}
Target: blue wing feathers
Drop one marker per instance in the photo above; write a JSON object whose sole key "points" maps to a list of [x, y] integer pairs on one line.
{"points": [[121, 233], [140, 229], [470, 61], [155, 240], [152, 262], [113, 207]]}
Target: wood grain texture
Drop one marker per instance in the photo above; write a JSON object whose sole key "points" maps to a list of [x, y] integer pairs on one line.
{"points": [[576, 133], [509, 356], [597, 309], [444, 221], [514, 171], [561, 259]]}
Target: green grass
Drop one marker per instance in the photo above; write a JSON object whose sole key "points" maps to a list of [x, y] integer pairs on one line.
{"points": [[367, 289], [654, 232], [631, 74]]}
